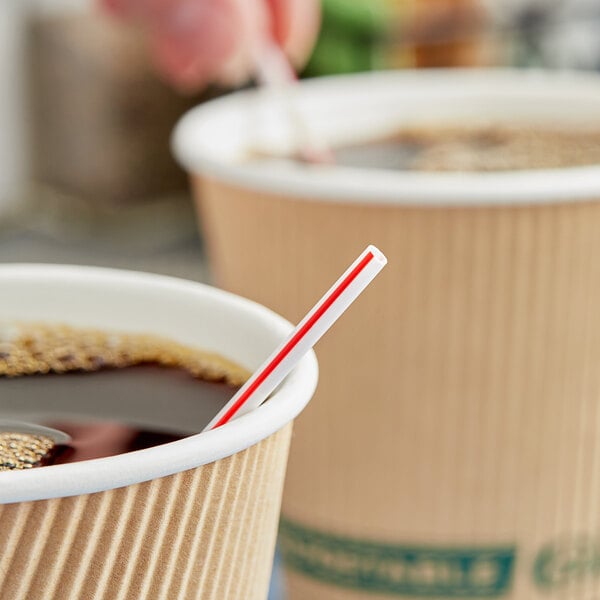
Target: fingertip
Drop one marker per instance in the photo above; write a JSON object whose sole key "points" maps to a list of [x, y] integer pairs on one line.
{"points": [[296, 25]]}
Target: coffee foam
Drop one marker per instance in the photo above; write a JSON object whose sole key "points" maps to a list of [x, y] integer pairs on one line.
{"points": [[501, 147], [23, 450], [40, 348]]}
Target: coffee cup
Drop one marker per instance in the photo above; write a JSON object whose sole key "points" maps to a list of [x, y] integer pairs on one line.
{"points": [[192, 518], [453, 448]]}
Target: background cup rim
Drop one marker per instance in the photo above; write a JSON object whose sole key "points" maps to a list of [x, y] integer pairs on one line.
{"points": [[102, 474], [210, 139]]}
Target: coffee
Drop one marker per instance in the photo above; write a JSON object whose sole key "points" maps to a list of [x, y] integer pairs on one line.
{"points": [[476, 148], [111, 393]]}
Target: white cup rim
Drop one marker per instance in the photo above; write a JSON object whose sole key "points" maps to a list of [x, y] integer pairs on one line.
{"points": [[210, 139], [102, 474]]}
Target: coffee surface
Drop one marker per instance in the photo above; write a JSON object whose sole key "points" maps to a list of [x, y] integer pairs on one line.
{"points": [[476, 148], [112, 393]]}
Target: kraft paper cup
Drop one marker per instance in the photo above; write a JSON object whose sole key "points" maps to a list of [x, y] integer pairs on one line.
{"points": [[195, 518], [454, 447]]}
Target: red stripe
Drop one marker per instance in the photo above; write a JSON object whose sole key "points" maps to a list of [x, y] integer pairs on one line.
{"points": [[335, 294]]}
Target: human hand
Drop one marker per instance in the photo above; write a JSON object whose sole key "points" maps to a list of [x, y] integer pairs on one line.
{"points": [[196, 42]]}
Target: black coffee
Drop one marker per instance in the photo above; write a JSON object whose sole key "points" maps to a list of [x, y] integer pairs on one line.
{"points": [[111, 393], [476, 148]]}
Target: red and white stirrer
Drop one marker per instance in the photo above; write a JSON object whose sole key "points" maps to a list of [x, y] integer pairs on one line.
{"points": [[308, 332]]}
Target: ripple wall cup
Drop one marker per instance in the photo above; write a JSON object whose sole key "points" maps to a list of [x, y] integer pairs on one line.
{"points": [[453, 450], [194, 518]]}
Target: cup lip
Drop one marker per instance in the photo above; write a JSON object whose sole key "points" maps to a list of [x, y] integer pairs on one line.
{"points": [[348, 184], [101, 474]]}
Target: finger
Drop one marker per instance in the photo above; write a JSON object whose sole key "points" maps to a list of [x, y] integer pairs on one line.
{"points": [[254, 25], [296, 25], [125, 9], [193, 41]]}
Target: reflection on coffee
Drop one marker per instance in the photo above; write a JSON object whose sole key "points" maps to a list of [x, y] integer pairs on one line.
{"points": [[112, 393], [476, 148]]}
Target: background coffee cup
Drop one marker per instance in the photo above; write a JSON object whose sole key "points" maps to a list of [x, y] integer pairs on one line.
{"points": [[194, 518], [453, 449]]}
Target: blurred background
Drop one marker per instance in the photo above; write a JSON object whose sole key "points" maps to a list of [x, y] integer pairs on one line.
{"points": [[87, 176]]}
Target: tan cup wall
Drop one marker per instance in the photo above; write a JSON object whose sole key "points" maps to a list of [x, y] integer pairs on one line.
{"points": [[459, 399], [204, 534]]}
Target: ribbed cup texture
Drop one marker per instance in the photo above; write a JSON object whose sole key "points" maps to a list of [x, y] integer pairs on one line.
{"points": [[459, 398], [208, 534]]}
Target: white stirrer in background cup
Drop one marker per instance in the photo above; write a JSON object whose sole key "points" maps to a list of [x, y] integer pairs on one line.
{"points": [[307, 333], [274, 70]]}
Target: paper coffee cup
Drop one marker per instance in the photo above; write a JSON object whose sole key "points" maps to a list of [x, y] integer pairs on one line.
{"points": [[454, 448], [195, 518]]}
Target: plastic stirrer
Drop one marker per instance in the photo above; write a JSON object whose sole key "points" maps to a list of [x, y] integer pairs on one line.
{"points": [[58, 437], [308, 332], [274, 71]]}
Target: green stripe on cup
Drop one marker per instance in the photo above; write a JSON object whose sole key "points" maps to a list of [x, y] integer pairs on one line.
{"points": [[402, 570]]}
